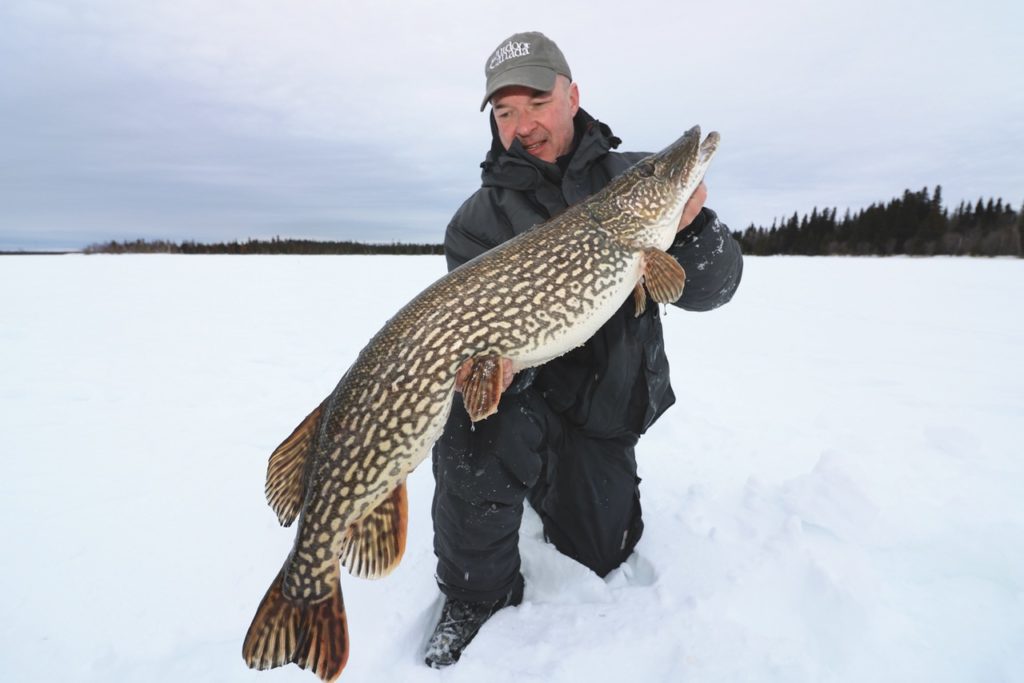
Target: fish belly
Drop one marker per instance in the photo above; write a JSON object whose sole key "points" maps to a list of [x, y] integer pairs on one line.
{"points": [[599, 310]]}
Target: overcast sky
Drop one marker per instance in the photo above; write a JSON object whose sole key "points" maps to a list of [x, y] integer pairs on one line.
{"points": [[342, 119]]}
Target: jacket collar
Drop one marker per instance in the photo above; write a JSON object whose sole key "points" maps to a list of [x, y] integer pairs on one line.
{"points": [[517, 169]]}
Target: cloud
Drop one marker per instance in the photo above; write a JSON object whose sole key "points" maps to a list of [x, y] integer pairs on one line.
{"points": [[357, 120]]}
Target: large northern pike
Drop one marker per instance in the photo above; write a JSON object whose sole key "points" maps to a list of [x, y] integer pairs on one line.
{"points": [[533, 298]]}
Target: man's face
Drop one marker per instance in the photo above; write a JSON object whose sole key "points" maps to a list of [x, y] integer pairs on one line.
{"points": [[542, 121]]}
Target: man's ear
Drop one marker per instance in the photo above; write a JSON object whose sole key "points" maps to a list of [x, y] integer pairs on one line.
{"points": [[574, 98]]}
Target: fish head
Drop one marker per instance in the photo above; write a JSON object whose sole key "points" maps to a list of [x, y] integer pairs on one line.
{"points": [[644, 205]]}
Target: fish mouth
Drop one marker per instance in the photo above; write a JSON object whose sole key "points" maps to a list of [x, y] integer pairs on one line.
{"points": [[686, 160]]}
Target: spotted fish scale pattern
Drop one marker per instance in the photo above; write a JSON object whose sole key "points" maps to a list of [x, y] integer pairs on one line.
{"points": [[398, 392], [342, 471]]}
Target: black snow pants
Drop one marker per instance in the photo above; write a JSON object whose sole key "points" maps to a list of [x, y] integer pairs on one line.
{"points": [[584, 488]]}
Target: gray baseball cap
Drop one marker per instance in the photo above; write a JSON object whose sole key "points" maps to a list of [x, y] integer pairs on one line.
{"points": [[529, 59]]}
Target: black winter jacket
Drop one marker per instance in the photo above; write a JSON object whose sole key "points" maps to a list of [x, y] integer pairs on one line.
{"points": [[616, 384]]}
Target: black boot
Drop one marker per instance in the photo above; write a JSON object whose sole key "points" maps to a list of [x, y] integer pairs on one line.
{"points": [[459, 623]]}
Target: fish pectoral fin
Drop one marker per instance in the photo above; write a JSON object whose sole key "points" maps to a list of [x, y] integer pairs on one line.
{"points": [[312, 635], [639, 298], [482, 379], [663, 276], [286, 470], [374, 545]]}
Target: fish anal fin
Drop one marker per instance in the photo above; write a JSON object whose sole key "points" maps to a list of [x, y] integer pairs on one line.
{"points": [[312, 635], [374, 546], [286, 470], [481, 379], [639, 298], [663, 276]]}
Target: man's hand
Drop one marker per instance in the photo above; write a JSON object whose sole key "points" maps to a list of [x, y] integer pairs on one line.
{"points": [[693, 206]]}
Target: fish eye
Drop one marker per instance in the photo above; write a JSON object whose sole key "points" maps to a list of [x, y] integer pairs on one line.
{"points": [[646, 169]]}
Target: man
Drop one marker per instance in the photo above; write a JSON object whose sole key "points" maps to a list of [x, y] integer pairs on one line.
{"points": [[564, 433]]}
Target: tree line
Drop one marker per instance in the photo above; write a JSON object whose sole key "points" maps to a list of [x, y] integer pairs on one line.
{"points": [[275, 245], [915, 224]]}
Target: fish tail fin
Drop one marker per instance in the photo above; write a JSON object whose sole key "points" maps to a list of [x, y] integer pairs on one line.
{"points": [[313, 636]]}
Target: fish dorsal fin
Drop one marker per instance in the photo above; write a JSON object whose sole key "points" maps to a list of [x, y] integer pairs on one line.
{"points": [[374, 545], [286, 480], [663, 276]]}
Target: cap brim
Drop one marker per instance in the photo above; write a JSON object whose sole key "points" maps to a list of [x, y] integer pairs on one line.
{"points": [[536, 77]]}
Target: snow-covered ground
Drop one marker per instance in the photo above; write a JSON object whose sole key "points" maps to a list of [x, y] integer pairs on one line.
{"points": [[838, 494]]}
